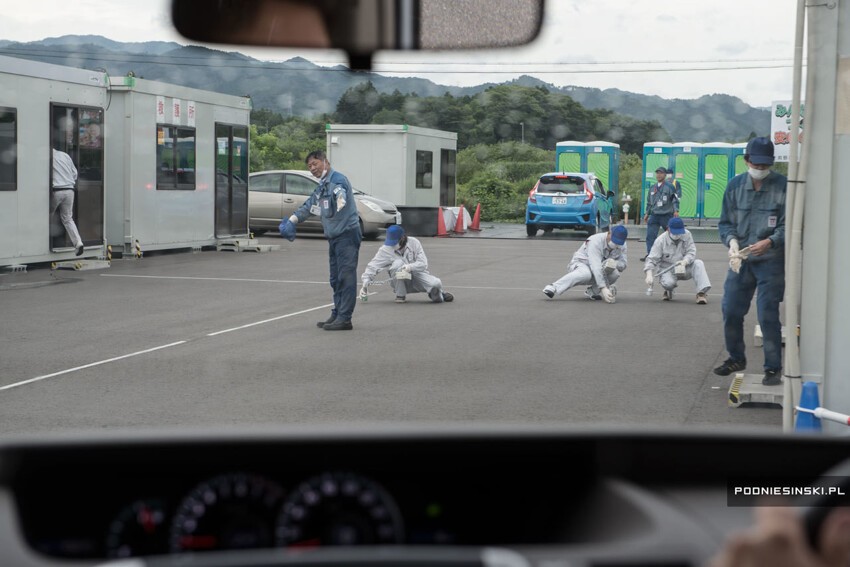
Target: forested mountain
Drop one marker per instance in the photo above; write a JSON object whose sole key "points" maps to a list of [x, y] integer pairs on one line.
{"points": [[300, 88]]}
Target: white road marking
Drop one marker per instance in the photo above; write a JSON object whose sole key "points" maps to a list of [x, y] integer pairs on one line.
{"points": [[211, 279], [108, 360], [270, 320]]}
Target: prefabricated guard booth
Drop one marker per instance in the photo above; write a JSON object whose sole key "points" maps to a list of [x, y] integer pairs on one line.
{"points": [[178, 165], [43, 107], [414, 168]]}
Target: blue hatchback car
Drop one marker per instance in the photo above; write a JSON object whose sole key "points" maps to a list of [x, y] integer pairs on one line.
{"points": [[568, 200]]}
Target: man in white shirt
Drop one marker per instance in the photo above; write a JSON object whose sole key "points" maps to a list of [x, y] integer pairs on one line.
{"points": [[62, 196]]}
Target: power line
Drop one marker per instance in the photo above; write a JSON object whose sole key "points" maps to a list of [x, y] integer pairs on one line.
{"points": [[253, 64]]}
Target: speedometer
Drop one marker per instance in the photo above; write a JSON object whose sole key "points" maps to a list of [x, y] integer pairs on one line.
{"points": [[233, 511], [339, 509]]}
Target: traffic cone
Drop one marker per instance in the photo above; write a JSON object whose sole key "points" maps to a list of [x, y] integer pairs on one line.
{"points": [[806, 421], [441, 223], [459, 224], [476, 219]]}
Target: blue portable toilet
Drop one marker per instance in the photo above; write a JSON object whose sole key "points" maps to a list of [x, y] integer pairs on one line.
{"points": [[738, 155], [571, 156], [718, 168], [685, 159], [655, 155], [603, 160]]}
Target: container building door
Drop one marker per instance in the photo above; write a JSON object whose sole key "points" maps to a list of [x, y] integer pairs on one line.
{"points": [[78, 131], [231, 180]]}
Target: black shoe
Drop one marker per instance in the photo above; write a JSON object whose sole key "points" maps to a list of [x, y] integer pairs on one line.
{"points": [[447, 297], [644, 258], [321, 324], [730, 366], [80, 250], [771, 378], [338, 325]]}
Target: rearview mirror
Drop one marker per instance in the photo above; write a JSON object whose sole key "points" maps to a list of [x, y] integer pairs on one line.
{"points": [[360, 27]]}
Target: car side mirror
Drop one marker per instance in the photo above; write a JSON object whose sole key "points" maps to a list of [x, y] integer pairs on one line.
{"points": [[360, 28]]}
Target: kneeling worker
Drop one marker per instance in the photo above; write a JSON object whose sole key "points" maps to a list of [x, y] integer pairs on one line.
{"points": [[405, 260], [598, 264], [675, 254]]}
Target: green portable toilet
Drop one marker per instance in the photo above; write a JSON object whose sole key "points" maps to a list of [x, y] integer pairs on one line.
{"points": [[738, 153], [570, 156], [655, 155], [685, 160], [718, 163], [603, 160]]}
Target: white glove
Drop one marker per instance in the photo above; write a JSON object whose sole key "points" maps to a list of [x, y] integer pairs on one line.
{"points": [[607, 295], [683, 263], [733, 247], [364, 292], [735, 264], [610, 265], [340, 201], [649, 278], [293, 219], [403, 273]]}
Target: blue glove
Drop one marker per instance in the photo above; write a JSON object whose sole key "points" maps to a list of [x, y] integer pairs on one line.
{"points": [[287, 230]]}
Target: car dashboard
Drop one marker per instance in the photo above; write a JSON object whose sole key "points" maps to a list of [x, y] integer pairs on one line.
{"points": [[451, 496]]}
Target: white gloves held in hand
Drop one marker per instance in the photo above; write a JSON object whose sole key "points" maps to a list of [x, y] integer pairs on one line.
{"points": [[649, 278], [608, 295]]}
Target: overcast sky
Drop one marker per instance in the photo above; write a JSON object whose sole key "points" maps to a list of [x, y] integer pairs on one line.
{"points": [[669, 48]]}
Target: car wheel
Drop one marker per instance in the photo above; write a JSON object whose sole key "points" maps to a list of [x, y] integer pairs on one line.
{"points": [[593, 228], [369, 236], [531, 229], [548, 229], [258, 231]]}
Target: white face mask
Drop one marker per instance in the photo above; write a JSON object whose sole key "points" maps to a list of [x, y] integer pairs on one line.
{"points": [[612, 245], [675, 237], [758, 174]]}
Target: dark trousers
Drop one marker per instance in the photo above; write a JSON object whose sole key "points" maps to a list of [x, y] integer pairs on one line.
{"points": [[768, 278], [653, 225], [343, 253]]}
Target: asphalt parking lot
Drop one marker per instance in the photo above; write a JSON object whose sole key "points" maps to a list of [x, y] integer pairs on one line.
{"points": [[230, 338]]}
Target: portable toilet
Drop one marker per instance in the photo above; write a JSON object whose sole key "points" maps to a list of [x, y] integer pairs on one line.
{"points": [[570, 156], [603, 160], [655, 155], [738, 153], [718, 163], [685, 160]]}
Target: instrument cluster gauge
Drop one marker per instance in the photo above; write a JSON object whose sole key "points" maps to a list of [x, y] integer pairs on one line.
{"points": [[231, 511], [138, 530], [338, 508]]}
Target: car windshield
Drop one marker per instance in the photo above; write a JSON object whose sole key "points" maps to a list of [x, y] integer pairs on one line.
{"points": [[145, 284]]}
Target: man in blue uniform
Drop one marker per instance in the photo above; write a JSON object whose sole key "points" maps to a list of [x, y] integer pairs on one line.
{"points": [[661, 206], [333, 201], [753, 215]]}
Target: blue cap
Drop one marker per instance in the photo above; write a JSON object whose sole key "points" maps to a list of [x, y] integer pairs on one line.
{"points": [[619, 234], [394, 234], [760, 151], [676, 226]]}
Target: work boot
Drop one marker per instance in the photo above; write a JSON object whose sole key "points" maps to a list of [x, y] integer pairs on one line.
{"points": [[447, 297], [644, 258], [80, 250], [321, 324], [339, 325], [730, 366], [702, 298], [668, 295], [588, 293], [400, 299], [549, 291], [771, 378]]}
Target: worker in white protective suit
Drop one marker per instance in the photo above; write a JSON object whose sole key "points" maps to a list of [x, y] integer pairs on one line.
{"points": [[598, 264], [674, 257], [403, 257]]}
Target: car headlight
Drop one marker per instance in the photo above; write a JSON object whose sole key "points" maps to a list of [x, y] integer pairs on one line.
{"points": [[373, 206]]}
